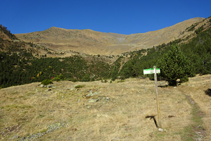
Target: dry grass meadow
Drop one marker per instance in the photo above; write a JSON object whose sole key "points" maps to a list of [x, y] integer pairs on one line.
{"points": [[29, 112]]}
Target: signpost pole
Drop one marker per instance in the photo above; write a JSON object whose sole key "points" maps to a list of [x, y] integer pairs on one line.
{"points": [[156, 91]]}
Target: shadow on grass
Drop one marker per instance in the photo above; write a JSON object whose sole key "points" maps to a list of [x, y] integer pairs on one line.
{"points": [[162, 86], [208, 92], [153, 117]]}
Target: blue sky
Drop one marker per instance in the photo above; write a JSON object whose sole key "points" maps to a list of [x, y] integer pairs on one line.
{"points": [[116, 16]]}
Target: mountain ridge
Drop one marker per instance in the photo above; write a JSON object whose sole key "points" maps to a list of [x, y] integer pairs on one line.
{"points": [[94, 42]]}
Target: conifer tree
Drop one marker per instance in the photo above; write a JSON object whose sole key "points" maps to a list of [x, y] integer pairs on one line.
{"points": [[175, 65]]}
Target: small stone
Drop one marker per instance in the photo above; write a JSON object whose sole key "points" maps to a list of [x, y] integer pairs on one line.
{"points": [[79, 100], [48, 90], [41, 85], [14, 137], [107, 98], [118, 138], [49, 86], [93, 100], [160, 129], [175, 87], [91, 94], [88, 106], [103, 98], [95, 93]]}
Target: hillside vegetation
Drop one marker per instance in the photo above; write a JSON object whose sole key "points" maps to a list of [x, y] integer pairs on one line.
{"points": [[25, 66], [87, 97], [197, 51]]}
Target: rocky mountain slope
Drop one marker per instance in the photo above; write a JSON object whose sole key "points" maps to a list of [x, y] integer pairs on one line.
{"points": [[93, 42]]}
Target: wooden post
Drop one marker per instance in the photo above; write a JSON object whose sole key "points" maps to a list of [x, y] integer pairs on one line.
{"points": [[156, 91]]}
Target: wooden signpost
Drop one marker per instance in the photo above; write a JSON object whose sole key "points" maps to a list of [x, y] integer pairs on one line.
{"points": [[155, 71]]}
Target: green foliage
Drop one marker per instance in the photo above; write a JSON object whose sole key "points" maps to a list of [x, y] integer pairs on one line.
{"points": [[174, 65], [199, 30], [73, 80], [122, 77], [115, 69], [104, 81], [184, 79], [79, 86], [21, 67], [58, 78], [192, 27], [46, 82], [86, 78]]}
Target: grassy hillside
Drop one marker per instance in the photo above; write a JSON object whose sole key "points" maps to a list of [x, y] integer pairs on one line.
{"points": [[197, 50], [103, 111], [93, 42]]}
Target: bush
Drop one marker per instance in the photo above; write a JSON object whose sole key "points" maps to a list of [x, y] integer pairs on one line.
{"points": [[60, 77], [184, 79], [86, 78], [93, 79], [46, 82], [73, 80], [56, 79], [104, 81], [79, 86], [122, 77]]}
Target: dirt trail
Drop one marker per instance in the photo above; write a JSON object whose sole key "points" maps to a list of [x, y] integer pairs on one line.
{"points": [[114, 111]]}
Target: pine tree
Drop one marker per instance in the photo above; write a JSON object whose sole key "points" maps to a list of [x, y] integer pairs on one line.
{"points": [[175, 65]]}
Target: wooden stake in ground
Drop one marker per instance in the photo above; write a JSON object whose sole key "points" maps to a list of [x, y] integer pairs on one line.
{"points": [[156, 91]]}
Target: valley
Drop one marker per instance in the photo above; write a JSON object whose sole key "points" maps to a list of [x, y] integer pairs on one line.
{"points": [[68, 84]]}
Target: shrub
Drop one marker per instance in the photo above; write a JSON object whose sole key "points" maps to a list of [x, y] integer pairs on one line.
{"points": [[79, 86], [93, 79], [56, 79], [104, 81], [46, 82], [73, 79], [122, 77], [60, 76], [184, 79], [86, 78]]}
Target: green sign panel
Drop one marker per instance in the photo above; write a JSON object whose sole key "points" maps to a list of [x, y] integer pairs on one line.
{"points": [[151, 71]]}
